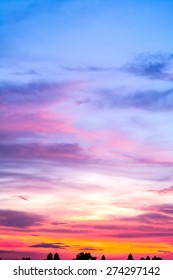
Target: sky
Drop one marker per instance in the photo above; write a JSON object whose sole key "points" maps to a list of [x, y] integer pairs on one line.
{"points": [[86, 137]]}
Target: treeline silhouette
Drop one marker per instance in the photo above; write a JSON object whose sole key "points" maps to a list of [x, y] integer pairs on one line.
{"points": [[130, 257], [88, 256]]}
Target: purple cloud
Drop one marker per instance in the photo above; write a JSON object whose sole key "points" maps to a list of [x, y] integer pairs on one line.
{"points": [[63, 230], [50, 245], [34, 93], [153, 66], [165, 252], [7, 251], [151, 100], [165, 208], [29, 72], [68, 152], [88, 68], [21, 197], [19, 219], [90, 249], [161, 209], [143, 234], [148, 161], [158, 215], [165, 190]]}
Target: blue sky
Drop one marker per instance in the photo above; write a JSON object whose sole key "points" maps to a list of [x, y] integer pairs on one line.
{"points": [[85, 32]]}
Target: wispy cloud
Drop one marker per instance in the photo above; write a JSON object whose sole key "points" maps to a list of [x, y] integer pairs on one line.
{"points": [[165, 190], [150, 217], [146, 160], [142, 235], [63, 231], [68, 152], [36, 93], [90, 249], [157, 66], [161, 214], [7, 251], [88, 68], [50, 245], [21, 197], [165, 251], [151, 100], [19, 219], [164, 208], [26, 73]]}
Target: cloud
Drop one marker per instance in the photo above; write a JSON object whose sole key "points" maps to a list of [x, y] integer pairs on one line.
{"points": [[68, 152], [6, 136], [83, 101], [150, 161], [165, 208], [164, 251], [19, 219], [26, 123], [143, 234], [165, 190], [88, 68], [7, 252], [153, 66], [50, 245], [152, 217], [107, 227], [21, 197], [30, 178], [151, 100], [36, 93], [29, 72], [90, 249], [162, 209], [155, 214], [64, 230], [135, 227]]}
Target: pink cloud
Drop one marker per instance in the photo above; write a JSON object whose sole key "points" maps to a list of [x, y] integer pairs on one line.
{"points": [[37, 94], [42, 121], [21, 197], [64, 152]]}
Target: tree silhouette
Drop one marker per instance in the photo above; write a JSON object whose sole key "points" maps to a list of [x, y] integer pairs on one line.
{"points": [[49, 256], [103, 257], [156, 258], [85, 256], [56, 256], [88, 256], [130, 257]]}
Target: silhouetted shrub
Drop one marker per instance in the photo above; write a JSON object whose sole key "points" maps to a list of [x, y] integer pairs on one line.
{"points": [[49, 256], [56, 256], [130, 257], [156, 258], [85, 256]]}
